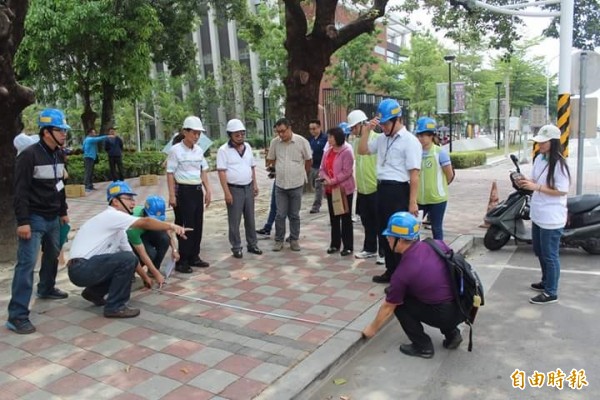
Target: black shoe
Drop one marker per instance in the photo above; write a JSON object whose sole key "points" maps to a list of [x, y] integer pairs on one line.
{"points": [[543, 298], [254, 250], [264, 231], [20, 326], [538, 287], [183, 268], [92, 297], [54, 294], [345, 252], [124, 312], [237, 253], [314, 211], [383, 278], [412, 350], [332, 250], [198, 262], [453, 342]]}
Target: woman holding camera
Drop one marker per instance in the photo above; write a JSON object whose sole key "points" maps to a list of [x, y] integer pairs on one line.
{"points": [[337, 169]]}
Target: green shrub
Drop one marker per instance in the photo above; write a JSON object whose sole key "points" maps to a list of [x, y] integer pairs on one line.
{"points": [[134, 165], [462, 160]]}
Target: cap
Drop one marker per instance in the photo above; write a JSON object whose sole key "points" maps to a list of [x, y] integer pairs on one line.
{"points": [[546, 132]]}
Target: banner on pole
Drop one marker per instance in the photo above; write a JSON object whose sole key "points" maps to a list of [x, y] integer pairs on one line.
{"points": [[442, 98], [459, 95]]}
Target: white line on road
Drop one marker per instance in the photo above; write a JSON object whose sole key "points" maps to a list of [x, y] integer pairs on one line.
{"points": [[562, 271]]}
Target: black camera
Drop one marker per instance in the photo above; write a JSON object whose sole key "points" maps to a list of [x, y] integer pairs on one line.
{"points": [[271, 171]]}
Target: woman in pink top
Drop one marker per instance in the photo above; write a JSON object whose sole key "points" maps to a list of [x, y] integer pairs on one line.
{"points": [[337, 169]]}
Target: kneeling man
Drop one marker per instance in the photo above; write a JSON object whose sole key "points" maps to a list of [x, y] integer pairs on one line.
{"points": [[419, 290], [102, 260]]}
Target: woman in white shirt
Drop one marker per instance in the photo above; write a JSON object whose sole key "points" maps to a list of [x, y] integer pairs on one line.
{"points": [[550, 183]]}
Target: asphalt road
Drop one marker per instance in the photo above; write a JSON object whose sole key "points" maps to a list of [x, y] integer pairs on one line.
{"points": [[510, 335]]}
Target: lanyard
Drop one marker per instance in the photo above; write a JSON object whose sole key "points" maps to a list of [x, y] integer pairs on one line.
{"points": [[388, 145], [54, 161]]}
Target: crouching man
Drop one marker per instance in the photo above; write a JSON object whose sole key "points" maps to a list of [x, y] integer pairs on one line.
{"points": [[419, 291], [102, 260]]}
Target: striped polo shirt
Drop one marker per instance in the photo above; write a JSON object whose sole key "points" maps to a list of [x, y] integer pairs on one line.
{"points": [[186, 164]]}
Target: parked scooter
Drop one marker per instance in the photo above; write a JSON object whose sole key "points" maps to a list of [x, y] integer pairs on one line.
{"points": [[507, 219]]}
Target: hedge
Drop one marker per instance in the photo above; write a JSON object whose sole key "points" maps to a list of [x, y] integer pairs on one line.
{"points": [[462, 160], [134, 165]]}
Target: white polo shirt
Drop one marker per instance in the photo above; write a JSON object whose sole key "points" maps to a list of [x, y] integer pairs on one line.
{"points": [[547, 211], [396, 155], [238, 166], [103, 234], [186, 164]]}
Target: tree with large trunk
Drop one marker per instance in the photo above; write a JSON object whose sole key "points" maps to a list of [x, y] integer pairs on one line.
{"points": [[309, 53], [14, 98]]}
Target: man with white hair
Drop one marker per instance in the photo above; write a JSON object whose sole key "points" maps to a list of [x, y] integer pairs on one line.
{"points": [[235, 165], [187, 176]]}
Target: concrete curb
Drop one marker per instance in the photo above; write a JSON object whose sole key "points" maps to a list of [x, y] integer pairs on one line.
{"points": [[300, 380]]}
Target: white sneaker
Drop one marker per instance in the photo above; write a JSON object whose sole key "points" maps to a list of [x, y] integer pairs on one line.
{"points": [[365, 254], [380, 260]]}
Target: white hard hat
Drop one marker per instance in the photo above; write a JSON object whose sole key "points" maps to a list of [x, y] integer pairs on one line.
{"points": [[194, 123], [23, 141], [356, 117], [235, 125]]}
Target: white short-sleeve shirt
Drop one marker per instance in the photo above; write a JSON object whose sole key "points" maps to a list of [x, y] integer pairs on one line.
{"points": [[103, 234], [546, 211], [396, 155], [186, 164], [238, 166]]}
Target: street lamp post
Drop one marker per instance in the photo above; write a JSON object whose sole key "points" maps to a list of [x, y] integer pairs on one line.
{"points": [[449, 59], [498, 84]]}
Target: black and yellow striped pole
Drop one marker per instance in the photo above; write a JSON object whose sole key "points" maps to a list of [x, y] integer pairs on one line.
{"points": [[564, 120]]}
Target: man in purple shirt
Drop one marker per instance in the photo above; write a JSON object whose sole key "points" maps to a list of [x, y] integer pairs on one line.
{"points": [[419, 290]]}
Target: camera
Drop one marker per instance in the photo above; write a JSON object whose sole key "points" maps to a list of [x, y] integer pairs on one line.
{"points": [[271, 171]]}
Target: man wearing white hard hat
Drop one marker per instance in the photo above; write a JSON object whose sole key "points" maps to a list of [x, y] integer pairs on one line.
{"points": [[235, 165], [189, 192]]}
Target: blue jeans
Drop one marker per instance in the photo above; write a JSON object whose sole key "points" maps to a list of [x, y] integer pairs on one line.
{"points": [[106, 273], [44, 233], [272, 211], [436, 217], [546, 243]]}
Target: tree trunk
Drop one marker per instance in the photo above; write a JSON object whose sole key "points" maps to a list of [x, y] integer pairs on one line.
{"points": [[302, 99], [108, 107], [89, 116], [14, 98]]}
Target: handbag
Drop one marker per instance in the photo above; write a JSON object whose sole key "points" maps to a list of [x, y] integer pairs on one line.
{"points": [[339, 201]]}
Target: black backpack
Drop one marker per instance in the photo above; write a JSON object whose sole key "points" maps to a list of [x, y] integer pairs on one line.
{"points": [[465, 283]]}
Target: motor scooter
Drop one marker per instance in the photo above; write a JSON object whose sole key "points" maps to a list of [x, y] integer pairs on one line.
{"points": [[508, 218]]}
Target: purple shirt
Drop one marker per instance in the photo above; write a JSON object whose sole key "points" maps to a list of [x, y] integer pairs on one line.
{"points": [[422, 275]]}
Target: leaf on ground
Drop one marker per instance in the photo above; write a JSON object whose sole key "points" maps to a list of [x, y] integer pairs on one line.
{"points": [[339, 381], [127, 368], [185, 370], [344, 397]]}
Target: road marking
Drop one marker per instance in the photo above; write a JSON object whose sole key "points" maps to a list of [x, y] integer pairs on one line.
{"points": [[565, 271]]}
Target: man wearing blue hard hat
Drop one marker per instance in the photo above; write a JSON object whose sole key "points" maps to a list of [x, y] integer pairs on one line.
{"points": [[151, 246], [102, 260], [398, 164], [420, 290], [40, 207]]}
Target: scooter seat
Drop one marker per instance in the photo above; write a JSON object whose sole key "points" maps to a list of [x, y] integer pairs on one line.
{"points": [[585, 202]]}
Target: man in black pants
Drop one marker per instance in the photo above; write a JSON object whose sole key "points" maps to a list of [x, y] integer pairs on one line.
{"points": [[114, 148], [398, 163], [187, 172]]}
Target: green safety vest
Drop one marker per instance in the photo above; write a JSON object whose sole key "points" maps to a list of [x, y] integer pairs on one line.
{"points": [[433, 187], [366, 168]]}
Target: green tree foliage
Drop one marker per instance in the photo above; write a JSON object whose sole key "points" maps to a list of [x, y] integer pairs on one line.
{"points": [[353, 68], [586, 27]]}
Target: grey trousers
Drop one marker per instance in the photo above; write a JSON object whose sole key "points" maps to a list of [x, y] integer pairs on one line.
{"points": [[288, 206], [318, 186], [243, 204]]}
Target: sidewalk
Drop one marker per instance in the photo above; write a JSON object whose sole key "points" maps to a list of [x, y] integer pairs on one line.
{"points": [[199, 339]]}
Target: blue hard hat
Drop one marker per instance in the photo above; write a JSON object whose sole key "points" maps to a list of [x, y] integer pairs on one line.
{"points": [[155, 207], [344, 127], [402, 225], [425, 124], [117, 188], [53, 117], [388, 109]]}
